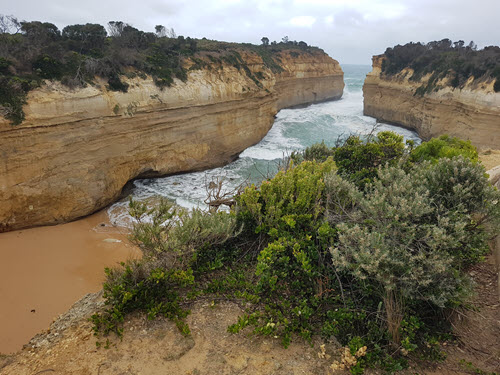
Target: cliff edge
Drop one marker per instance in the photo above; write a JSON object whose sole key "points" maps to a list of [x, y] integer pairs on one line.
{"points": [[76, 149], [471, 112]]}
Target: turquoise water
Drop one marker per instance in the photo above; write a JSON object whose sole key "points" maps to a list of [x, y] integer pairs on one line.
{"points": [[293, 129]]}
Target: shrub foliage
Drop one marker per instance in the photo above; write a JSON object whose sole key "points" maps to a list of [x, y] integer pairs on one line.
{"points": [[368, 242], [454, 60], [444, 147]]}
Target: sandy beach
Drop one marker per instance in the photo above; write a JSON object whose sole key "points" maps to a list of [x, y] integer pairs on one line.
{"points": [[44, 270]]}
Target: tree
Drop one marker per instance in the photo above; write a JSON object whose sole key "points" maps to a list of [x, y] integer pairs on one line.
{"points": [[88, 37], [160, 31], [115, 28], [40, 33], [472, 45], [171, 33], [9, 24], [285, 39], [265, 41]]}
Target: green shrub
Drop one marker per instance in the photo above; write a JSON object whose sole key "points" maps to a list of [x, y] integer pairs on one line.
{"points": [[4, 65], [13, 91], [137, 286], [412, 232], [290, 202], [464, 203], [166, 228], [358, 160], [317, 152], [47, 67], [172, 241], [314, 251], [116, 84], [291, 277], [444, 147]]}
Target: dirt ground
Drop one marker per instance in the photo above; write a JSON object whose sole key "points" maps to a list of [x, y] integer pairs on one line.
{"points": [[157, 347], [490, 158]]}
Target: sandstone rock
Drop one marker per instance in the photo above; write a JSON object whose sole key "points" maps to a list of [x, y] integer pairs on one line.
{"points": [[494, 176], [77, 149], [470, 113]]}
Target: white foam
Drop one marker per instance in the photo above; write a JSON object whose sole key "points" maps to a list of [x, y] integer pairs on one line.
{"points": [[274, 144], [294, 129]]}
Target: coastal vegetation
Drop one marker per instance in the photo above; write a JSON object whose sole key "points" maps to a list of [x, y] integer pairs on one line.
{"points": [[31, 52], [455, 61], [367, 243]]}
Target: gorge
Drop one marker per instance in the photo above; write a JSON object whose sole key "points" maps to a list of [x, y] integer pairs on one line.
{"points": [[76, 149]]}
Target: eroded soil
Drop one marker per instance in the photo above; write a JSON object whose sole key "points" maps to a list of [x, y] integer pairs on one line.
{"points": [[157, 347]]}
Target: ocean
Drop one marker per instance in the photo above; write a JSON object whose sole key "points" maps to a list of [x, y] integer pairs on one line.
{"points": [[293, 130]]}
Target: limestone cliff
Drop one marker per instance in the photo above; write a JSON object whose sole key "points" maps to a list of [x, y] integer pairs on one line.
{"points": [[470, 113], [77, 149]]}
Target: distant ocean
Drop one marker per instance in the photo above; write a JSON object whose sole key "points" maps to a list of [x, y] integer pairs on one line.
{"points": [[293, 129]]}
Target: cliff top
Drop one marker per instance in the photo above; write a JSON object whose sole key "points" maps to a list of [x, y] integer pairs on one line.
{"points": [[443, 62], [31, 52]]}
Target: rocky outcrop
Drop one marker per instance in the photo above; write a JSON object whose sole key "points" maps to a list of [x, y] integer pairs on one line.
{"points": [[470, 113], [77, 149], [494, 176]]}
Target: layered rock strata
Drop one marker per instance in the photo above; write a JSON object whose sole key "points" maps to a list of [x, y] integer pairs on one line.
{"points": [[78, 148], [472, 112]]}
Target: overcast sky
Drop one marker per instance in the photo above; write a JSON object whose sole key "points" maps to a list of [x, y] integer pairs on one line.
{"points": [[351, 31]]}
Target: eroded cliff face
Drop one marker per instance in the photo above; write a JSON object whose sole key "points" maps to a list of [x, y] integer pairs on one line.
{"points": [[470, 113], [77, 149]]}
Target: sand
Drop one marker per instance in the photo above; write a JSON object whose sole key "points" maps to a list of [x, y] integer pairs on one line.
{"points": [[44, 270], [490, 158]]}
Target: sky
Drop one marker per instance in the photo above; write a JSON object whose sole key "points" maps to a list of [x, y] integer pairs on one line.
{"points": [[351, 31]]}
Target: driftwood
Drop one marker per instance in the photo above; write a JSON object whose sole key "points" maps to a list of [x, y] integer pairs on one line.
{"points": [[219, 195]]}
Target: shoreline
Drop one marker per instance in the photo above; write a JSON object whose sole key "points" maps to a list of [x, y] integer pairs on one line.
{"points": [[45, 270]]}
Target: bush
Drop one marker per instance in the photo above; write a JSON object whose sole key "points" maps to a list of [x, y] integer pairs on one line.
{"points": [[314, 251], [47, 67], [137, 286], [358, 160], [171, 240], [412, 233], [116, 84], [165, 228], [291, 202], [443, 59], [13, 92], [317, 152], [444, 147]]}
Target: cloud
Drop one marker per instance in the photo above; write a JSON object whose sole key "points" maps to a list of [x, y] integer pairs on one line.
{"points": [[302, 21], [349, 30]]}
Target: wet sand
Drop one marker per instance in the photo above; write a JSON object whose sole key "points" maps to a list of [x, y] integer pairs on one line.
{"points": [[44, 270]]}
